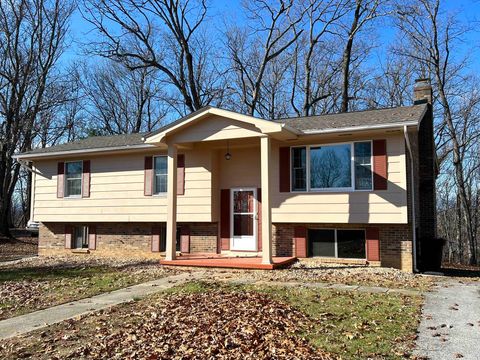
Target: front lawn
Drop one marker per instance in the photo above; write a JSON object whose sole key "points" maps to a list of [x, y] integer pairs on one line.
{"points": [[208, 320], [39, 283]]}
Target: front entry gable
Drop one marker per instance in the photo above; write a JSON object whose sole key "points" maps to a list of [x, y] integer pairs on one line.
{"points": [[214, 128], [217, 124]]}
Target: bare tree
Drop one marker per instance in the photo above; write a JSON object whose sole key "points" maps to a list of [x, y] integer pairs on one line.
{"points": [[251, 53], [32, 36], [165, 35], [431, 39], [313, 66], [122, 101], [363, 12]]}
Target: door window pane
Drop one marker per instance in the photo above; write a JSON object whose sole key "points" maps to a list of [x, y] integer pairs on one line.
{"points": [[243, 201], [242, 225], [363, 165], [73, 178], [330, 166], [321, 242], [351, 244], [299, 169], [160, 166]]}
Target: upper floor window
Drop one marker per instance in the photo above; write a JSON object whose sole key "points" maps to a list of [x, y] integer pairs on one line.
{"points": [[73, 178], [160, 171], [346, 166]]}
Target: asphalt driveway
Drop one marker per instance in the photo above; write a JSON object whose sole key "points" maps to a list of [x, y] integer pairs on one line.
{"points": [[450, 326]]}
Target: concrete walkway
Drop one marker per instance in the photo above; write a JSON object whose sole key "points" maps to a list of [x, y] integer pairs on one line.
{"points": [[450, 326], [25, 323]]}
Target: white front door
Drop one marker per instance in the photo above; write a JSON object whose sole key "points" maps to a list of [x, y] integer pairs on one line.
{"points": [[243, 220]]}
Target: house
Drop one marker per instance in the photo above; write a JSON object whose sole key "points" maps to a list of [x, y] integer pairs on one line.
{"points": [[356, 187]]}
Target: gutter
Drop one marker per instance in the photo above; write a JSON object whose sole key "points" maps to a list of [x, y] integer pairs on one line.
{"points": [[414, 220], [359, 128], [81, 151]]}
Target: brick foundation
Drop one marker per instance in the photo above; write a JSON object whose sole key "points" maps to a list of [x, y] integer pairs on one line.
{"points": [[127, 240], [395, 243], [203, 237], [133, 240]]}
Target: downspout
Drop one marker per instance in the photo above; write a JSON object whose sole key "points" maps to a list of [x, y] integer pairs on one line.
{"points": [[412, 194]]}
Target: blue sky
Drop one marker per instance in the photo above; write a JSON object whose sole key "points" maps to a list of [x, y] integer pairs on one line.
{"points": [[467, 10]]}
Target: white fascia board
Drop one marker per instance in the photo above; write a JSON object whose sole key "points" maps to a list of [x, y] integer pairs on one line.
{"points": [[399, 125], [82, 151]]}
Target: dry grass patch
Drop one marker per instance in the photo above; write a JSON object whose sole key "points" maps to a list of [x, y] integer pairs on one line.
{"points": [[205, 320], [312, 271], [39, 283]]}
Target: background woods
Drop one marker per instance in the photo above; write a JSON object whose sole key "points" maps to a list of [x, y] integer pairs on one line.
{"points": [[136, 65]]}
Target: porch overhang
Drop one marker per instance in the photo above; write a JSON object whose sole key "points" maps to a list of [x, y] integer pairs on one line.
{"points": [[252, 127]]}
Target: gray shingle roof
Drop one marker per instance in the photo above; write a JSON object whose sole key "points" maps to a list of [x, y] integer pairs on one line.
{"points": [[357, 118], [94, 142], [303, 124]]}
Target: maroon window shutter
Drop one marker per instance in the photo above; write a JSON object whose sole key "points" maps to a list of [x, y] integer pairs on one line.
{"points": [[155, 246], [148, 186], [180, 174], [86, 179], [259, 219], [300, 239], [92, 237], [380, 165], [225, 218], [60, 179], [185, 239], [68, 236], [284, 166], [372, 235]]}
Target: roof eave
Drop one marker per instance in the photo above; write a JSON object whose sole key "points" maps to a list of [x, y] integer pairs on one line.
{"points": [[34, 156], [398, 125]]}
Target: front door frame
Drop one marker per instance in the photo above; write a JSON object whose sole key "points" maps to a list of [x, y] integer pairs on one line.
{"points": [[255, 218]]}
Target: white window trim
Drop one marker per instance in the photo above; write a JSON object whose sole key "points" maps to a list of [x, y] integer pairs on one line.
{"points": [[335, 230], [159, 194], [65, 181], [352, 164]]}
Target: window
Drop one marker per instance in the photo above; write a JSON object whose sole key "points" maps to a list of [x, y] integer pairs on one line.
{"points": [[163, 239], [331, 167], [80, 237], [351, 244], [73, 178], [346, 244], [321, 242], [160, 181], [363, 165], [299, 169], [346, 166]]}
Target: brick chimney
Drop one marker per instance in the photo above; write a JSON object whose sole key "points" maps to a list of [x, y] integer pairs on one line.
{"points": [[422, 92]]}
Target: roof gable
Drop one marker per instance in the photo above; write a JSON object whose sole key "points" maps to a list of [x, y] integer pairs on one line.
{"points": [[212, 114]]}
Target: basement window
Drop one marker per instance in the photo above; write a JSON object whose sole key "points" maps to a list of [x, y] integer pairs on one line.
{"points": [[337, 243], [80, 237]]}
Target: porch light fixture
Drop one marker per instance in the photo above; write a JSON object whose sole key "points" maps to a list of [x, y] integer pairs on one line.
{"points": [[228, 156]]}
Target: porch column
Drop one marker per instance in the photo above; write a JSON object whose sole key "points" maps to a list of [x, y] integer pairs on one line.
{"points": [[266, 209], [171, 202]]}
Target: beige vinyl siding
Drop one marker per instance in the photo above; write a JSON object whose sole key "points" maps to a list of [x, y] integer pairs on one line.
{"points": [[117, 185], [117, 192], [215, 128], [386, 206]]}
